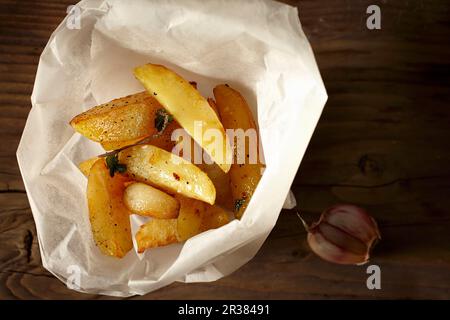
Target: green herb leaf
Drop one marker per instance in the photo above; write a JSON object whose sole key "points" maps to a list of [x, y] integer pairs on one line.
{"points": [[121, 168], [112, 162], [238, 204], [159, 122], [162, 119]]}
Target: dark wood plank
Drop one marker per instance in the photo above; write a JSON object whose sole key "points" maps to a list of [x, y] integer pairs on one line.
{"points": [[382, 143]]}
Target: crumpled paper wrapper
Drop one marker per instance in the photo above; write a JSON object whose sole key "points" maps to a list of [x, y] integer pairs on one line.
{"points": [[258, 47]]}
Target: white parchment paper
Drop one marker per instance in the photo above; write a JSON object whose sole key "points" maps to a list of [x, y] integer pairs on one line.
{"points": [[257, 47]]}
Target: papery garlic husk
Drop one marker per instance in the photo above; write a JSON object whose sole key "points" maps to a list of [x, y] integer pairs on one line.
{"points": [[344, 234]]}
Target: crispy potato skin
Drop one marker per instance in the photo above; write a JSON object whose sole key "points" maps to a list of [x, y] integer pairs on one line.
{"points": [[109, 217], [156, 233], [196, 217], [187, 106], [162, 169], [121, 122], [235, 114], [145, 200], [86, 165]]}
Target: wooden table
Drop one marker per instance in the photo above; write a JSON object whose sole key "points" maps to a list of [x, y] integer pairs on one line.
{"points": [[382, 143]]}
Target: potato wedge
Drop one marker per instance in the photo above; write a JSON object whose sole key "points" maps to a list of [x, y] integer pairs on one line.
{"points": [[109, 217], [145, 200], [161, 140], [214, 217], [120, 122], [235, 114], [189, 108], [156, 233], [86, 165], [196, 217], [190, 217], [221, 181], [160, 168]]}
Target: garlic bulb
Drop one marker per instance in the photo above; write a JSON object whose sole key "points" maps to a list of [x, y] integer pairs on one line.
{"points": [[344, 234]]}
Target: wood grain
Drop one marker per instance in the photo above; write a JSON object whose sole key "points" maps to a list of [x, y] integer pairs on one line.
{"points": [[382, 143]]}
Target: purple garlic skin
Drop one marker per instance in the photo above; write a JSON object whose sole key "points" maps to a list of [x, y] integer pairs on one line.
{"points": [[344, 234]]}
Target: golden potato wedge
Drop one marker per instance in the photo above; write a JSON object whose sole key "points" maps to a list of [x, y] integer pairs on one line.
{"points": [[196, 217], [161, 140], [190, 217], [109, 217], [221, 181], [85, 166], [235, 114], [156, 233], [160, 168], [189, 108], [145, 200], [120, 122], [214, 217]]}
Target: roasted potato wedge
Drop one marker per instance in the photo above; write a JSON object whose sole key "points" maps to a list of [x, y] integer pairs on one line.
{"points": [[189, 108], [156, 233], [145, 200], [221, 181], [121, 122], [196, 217], [86, 165], [160, 168], [214, 217], [161, 140], [190, 217], [235, 114], [109, 217]]}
